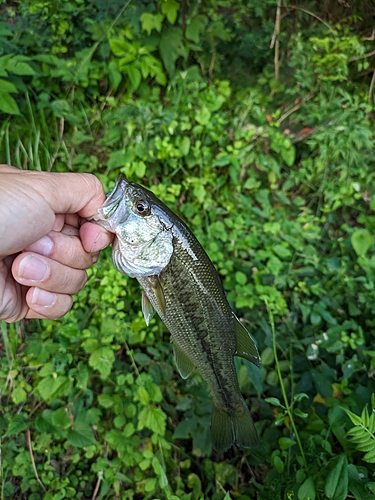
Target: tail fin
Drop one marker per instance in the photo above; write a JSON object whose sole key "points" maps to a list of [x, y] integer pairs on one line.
{"points": [[232, 428]]}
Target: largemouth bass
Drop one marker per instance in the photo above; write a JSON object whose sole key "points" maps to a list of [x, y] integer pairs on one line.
{"points": [[180, 282]]}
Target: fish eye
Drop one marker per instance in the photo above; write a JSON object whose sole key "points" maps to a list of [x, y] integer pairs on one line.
{"points": [[142, 207]]}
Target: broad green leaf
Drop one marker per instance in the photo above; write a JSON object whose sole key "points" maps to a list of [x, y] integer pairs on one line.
{"points": [[307, 490], [50, 386], [61, 419], [134, 75], [82, 435], [203, 116], [336, 485], [240, 277], [18, 66], [6, 86], [274, 264], [170, 8], [286, 443], [195, 27], [105, 400], [43, 423], [278, 464], [19, 395], [361, 241], [142, 395], [267, 356], [17, 424], [153, 418], [8, 105], [151, 21], [171, 48], [140, 169], [102, 360]]}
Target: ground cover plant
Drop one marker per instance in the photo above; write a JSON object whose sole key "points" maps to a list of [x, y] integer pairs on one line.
{"points": [[254, 121]]}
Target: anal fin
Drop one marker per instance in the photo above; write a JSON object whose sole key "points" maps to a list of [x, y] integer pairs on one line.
{"points": [[246, 347], [184, 365]]}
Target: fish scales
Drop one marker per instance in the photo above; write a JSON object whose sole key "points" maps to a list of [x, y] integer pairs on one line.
{"points": [[191, 315], [178, 279]]}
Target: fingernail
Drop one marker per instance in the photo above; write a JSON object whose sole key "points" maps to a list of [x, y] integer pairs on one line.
{"points": [[102, 241], [43, 246], [32, 268], [43, 298]]}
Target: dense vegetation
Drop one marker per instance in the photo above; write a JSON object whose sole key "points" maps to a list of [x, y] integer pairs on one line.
{"points": [[255, 122]]}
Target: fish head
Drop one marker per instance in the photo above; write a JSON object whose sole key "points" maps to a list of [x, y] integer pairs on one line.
{"points": [[143, 244]]}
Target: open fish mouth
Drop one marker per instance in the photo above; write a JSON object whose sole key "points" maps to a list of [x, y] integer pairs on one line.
{"points": [[113, 199]]}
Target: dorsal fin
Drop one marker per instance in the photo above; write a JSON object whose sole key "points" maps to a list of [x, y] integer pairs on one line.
{"points": [[246, 347]]}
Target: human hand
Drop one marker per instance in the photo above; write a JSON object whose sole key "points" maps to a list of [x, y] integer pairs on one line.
{"points": [[43, 250]]}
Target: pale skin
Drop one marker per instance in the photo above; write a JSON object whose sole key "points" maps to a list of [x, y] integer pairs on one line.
{"points": [[45, 244]]}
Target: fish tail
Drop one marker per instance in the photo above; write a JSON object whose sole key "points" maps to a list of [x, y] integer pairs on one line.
{"points": [[235, 427]]}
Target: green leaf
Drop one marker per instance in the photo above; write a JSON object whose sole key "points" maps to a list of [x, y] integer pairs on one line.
{"points": [[18, 66], [170, 8], [105, 400], [361, 241], [151, 21], [171, 48], [153, 418], [60, 418], [278, 464], [274, 402], [307, 490], [8, 105], [18, 424], [196, 26], [274, 264], [286, 443], [50, 386], [353, 417], [134, 74], [370, 456], [82, 435], [19, 395], [6, 86], [102, 360], [43, 422], [240, 278], [140, 169], [203, 116], [336, 485]]}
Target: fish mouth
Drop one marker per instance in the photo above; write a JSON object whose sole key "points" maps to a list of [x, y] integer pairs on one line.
{"points": [[111, 204], [114, 197]]}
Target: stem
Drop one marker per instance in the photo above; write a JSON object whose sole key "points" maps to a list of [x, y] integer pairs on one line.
{"points": [[286, 402]]}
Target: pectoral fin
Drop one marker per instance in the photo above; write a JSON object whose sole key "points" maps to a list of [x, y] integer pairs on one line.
{"points": [[147, 309], [184, 365], [159, 294], [246, 347]]}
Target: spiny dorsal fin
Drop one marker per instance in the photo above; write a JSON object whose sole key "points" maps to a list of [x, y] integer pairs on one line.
{"points": [[184, 365], [147, 308], [246, 347]]}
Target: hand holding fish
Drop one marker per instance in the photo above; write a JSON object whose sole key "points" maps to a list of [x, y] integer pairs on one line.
{"points": [[43, 250]]}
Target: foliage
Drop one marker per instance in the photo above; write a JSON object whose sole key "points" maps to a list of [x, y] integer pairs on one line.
{"points": [[276, 179]]}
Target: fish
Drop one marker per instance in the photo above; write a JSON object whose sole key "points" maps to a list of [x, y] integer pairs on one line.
{"points": [[180, 283]]}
